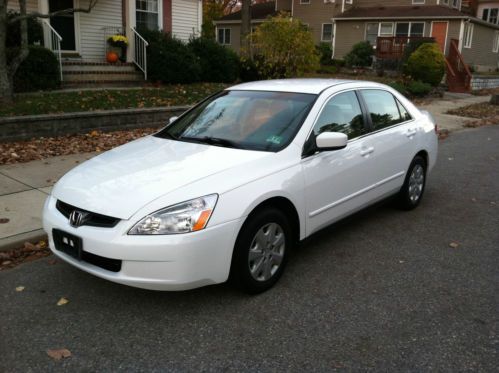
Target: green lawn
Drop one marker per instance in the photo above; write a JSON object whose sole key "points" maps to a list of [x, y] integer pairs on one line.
{"points": [[93, 100]]}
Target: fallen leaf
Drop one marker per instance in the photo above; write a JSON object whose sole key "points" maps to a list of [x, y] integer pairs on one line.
{"points": [[4, 220], [454, 245], [42, 244], [20, 288], [62, 301], [59, 353], [473, 200]]}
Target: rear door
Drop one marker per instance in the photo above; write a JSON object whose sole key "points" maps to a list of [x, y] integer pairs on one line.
{"points": [[392, 142]]}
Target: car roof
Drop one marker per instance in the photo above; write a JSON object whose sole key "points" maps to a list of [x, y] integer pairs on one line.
{"points": [[311, 86]]}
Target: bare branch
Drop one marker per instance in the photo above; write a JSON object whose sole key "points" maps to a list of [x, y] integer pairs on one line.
{"points": [[88, 9]]}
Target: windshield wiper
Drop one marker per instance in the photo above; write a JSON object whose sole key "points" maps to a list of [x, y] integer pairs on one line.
{"points": [[217, 141]]}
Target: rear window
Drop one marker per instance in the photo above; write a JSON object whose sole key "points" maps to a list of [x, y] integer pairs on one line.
{"points": [[383, 108]]}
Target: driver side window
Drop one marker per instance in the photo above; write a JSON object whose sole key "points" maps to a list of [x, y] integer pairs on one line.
{"points": [[342, 113]]}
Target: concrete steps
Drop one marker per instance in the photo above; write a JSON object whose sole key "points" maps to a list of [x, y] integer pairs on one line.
{"points": [[85, 74]]}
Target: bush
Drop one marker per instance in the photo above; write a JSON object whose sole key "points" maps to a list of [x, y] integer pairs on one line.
{"points": [[400, 87], [361, 55], [412, 46], [286, 48], [325, 52], [218, 63], [169, 60], [248, 70], [35, 31], [426, 64], [39, 71], [325, 69], [418, 88]]}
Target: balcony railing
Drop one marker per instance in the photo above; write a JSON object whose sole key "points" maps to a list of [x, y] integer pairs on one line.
{"points": [[392, 47]]}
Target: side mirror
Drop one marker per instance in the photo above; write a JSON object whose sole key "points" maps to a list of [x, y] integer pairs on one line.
{"points": [[172, 119], [331, 141]]}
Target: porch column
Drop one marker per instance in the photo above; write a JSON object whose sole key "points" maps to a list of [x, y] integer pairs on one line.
{"points": [[167, 16], [129, 21]]}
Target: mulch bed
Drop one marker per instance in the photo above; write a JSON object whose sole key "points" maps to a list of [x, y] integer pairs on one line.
{"points": [[29, 252], [485, 114], [41, 148]]}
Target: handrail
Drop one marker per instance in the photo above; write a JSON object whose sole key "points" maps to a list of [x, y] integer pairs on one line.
{"points": [[54, 40], [454, 45], [449, 66], [140, 51]]}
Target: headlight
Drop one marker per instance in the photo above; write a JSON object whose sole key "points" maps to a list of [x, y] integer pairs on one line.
{"points": [[189, 216]]}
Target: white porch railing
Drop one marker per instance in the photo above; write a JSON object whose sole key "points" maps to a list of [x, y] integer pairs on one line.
{"points": [[140, 51], [53, 42]]}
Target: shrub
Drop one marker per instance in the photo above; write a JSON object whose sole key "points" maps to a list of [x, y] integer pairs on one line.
{"points": [[325, 52], [35, 31], [218, 63], [426, 64], [418, 88], [169, 60], [286, 48], [39, 71], [412, 46], [361, 55], [399, 87], [248, 70], [326, 69]]}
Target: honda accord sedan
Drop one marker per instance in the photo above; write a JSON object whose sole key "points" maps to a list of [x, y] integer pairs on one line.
{"points": [[228, 188]]}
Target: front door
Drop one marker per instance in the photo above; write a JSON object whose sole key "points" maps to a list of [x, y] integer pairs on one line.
{"points": [[439, 32], [64, 24]]}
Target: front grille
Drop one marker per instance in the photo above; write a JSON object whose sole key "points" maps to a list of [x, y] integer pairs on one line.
{"points": [[93, 220]]}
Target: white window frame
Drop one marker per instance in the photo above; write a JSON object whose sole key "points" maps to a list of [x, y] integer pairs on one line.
{"points": [[224, 42], [322, 32], [386, 34], [455, 4], [468, 35], [495, 44], [418, 2], [409, 33], [304, 2], [133, 10], [349, 2]]}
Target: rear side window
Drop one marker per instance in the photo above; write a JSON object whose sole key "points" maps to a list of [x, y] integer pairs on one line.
{"points": [[383, 108], [342, 113]]}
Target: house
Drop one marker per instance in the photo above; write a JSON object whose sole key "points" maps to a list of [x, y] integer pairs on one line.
{"points": [[467, 31], [79, 39]]}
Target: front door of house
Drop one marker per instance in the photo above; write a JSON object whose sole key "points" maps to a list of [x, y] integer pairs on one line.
{"points": [[64, 24], [439, 32]]}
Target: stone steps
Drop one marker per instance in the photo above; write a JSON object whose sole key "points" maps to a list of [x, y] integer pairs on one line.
{"points": [[100, 73]]}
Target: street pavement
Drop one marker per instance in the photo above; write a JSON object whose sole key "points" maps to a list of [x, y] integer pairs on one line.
{"points": [[24, 187], [383, 291]]}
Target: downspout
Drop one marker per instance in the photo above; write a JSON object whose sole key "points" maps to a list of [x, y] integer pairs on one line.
{"points": [[343, 6], [334, 38]]}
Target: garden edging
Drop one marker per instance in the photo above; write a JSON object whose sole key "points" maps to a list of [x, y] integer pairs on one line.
{"points": [[50, 125]]}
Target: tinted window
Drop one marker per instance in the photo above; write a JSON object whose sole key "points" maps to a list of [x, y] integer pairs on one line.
{"points": [[244, 119], [382, 107], [341, 113]]}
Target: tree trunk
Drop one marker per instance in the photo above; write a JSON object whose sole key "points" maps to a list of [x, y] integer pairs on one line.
{"points": [[5, 82], [245, 27]]}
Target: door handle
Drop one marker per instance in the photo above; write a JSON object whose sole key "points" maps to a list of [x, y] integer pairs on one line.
{"points": [[366, 151], [411, 132]]}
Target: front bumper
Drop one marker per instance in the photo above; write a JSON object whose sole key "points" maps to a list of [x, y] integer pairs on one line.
{"points": [[167, 262]]}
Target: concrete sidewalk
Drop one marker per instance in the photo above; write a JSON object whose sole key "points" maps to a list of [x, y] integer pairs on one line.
{"points": [[25, 186]]}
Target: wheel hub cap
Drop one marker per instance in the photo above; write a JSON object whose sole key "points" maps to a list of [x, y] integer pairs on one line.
{"points": [[266, 252], [416, 183]]}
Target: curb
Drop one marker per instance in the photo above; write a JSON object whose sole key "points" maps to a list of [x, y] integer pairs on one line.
{"points": [[17, 241]]}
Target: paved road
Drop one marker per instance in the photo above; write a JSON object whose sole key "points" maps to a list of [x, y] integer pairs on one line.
{"points": [[382, 291]]}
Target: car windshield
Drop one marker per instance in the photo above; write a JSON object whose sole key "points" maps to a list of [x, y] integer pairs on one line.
{"points": [[254, 120]]}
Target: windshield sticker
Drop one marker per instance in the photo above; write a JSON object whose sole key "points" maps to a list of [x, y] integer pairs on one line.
{"points": [[275, 139]]}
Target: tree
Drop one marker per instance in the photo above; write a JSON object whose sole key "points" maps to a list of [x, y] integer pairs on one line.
{"points": [[213, 10], [9, 66], [283, 47], [245, 26]]}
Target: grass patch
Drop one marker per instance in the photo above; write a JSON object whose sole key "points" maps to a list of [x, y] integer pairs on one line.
{"points": [[97, 100], [479, 111]]}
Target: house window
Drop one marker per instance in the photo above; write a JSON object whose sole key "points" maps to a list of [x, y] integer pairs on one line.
{"points": [[455, 3], [147, 14], [493, 15], [495, 47], [410, 29], [349, 2], [418, 2], [386, 29], [485, 14], [327, 32], [402, 29], [304, 1], [224, 35], [417, 29], [372, 30], [468, 34]]}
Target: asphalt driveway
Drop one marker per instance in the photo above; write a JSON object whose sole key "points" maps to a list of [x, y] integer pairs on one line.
{"points": [[382, 291]]}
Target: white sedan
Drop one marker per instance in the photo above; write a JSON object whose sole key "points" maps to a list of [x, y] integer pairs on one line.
{"points": [[228, 188]]}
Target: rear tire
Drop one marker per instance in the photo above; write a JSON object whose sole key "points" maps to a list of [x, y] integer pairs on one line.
{"points": [[412, 191], [261, 251]]}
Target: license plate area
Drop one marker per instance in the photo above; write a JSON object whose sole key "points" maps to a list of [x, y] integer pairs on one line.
{"points": [[68, 243]]}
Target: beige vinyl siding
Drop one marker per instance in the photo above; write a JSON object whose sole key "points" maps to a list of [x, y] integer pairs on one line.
{"points": [[315, 14], [480, 54], [283, 5], [235, 35], [453, 33], [31, 5], [387, 3], [185, 18], [106, 13], [348, 33]]}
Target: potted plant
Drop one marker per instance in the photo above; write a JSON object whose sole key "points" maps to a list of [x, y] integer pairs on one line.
{"points": [[121, 42]]}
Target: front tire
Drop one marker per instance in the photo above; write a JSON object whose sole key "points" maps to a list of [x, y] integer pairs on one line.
{"points": [[261, 250], [412, 191]]}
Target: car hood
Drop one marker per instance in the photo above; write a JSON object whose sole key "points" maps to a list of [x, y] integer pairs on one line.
{"points": [[119, 182]]}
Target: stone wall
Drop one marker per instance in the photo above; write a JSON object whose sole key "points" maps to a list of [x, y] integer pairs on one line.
{"points": [[50, 125], [484, 82]]}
